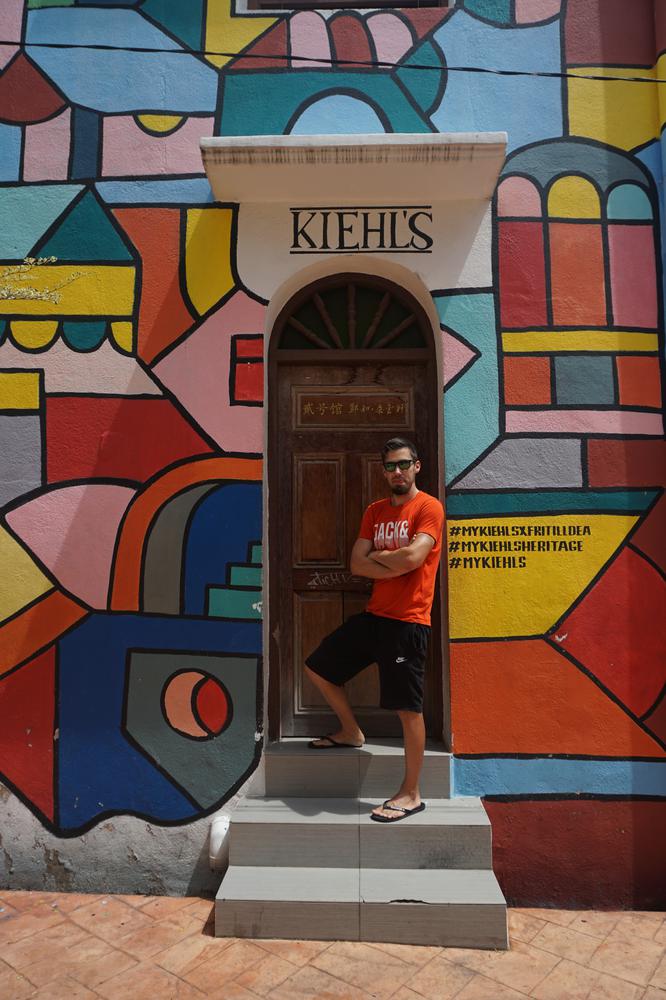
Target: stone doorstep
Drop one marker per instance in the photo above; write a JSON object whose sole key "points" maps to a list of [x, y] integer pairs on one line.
{"points": [[448, 908], [338, 833]]}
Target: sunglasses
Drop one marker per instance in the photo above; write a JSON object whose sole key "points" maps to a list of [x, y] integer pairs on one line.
{"points": [[403, 465]]}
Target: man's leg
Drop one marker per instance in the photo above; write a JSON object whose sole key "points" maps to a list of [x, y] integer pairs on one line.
{"points": [[336, 698], [408, 795]]}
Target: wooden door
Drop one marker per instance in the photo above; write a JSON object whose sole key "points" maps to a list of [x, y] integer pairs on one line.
{"points": [[333, 419]]}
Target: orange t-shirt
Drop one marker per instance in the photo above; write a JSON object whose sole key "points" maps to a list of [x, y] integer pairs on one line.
{"points": [[407, 597]]}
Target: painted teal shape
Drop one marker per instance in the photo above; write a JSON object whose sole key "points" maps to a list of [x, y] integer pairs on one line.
{"points": [[245, 576], [246, 110], [424, 85], [184, 20], [651, 157], [628, 201], [528, 108], [255, 555], [223, 602], [186, 191], [26, 212], [583, 380], [10, 152], [498, 11], [549, 502], [4, 326], [548, 775], [84, 335], [471, 404], [38, 4], [338, 114], [87, 233]]}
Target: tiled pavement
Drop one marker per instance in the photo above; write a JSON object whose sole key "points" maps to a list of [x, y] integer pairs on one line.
{"points": [[73, 947]]}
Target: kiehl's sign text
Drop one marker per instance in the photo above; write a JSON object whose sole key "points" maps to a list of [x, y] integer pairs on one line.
{"points": [[358, 229]]}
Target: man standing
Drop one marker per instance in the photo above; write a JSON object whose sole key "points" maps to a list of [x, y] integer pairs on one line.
{"points": [[398, 546]]}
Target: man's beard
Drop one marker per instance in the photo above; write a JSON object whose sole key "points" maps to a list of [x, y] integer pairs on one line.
{"points": [[400, 489]]}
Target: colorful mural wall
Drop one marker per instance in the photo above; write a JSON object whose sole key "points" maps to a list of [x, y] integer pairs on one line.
{"points": [[131, 421]]}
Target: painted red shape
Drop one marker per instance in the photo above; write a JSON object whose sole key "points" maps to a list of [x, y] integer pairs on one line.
{"points": [[526, 381], [26, 96], [350, 39], [651, 536], [424, 19], [249, 382], [660, 26], [27, 710], [522, 275], [580, 854], [633, 270], [163, 315], [212, 706], [268, 52], [656, 720], [612, 632], [249, 347], [598, 34], [626, 462], [577, 274], [119, 437]]}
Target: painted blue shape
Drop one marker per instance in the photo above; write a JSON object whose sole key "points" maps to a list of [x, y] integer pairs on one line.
{"points": [[189, 191], [628, 201], [86, 135], [529, 108], [471, 404], [170, 80], [26, 212], [10, 152], [425, 86], [87, 233], [220, 530], [83, 335], [548, 775], [498, 11], [99, 770], [336, 115]]}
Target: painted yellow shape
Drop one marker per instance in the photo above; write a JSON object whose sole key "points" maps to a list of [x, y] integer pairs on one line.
{"points": [[19, 390], [31, 334], [531, 341], [81, 290], [159, 123], [624, 114], [208, 256], [123, 335], [227, 32], [574, 198], [498, 599], [21, 581]]}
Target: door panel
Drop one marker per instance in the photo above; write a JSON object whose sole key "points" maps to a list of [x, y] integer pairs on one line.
{"points": [[318, 510]]}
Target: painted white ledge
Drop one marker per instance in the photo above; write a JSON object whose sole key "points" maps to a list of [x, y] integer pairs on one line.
{"points": [[403, 169]]}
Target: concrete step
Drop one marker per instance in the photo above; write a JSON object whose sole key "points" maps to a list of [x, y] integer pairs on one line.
{"points": [[375, 771], [338, 833], [448, 908]]}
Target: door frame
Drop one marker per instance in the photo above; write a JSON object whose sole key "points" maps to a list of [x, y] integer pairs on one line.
{"points": [[433, 455]]}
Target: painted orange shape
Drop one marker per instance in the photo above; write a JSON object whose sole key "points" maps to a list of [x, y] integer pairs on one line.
{"points": [[527, 381]]}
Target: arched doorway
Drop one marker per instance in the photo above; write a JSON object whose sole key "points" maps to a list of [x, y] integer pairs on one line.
{"points": [[352, 362]]}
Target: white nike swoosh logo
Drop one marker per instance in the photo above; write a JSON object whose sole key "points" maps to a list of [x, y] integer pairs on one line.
{"points": [[401, 659]]}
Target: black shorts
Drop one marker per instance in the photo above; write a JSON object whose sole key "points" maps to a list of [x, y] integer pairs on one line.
{"points": [[399, 648]]}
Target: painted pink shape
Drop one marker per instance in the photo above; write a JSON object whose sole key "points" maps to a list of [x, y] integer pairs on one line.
{"points": [[456, 355], [520, 198], [309, 40], [130, 150], [47, 145], [11, 20], [178, 703], [72, 530], [531, 11], [633, 275], [627, 422], [197, 373], [7, 53], [391, 36]]}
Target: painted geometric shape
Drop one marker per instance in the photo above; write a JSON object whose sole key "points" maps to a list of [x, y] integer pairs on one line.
{"points": [[124, 438], [639, 381], [86, 143], [120, 80], [26, 96], [656, 720], [46, 149], [21, 580], [269, 51], [612, 632], [34, 628], [524, 697], [122, 334], [233, 605], [77, 290], [211, 761], [72, 531], [527, 381], [10, 152], [246, 372], [185, 21], [583, 421], [163, 315], [527, 464], [626, 463], [521, 589], [584, 380], [425, 86], [87, 233], [522, 274], [20, 455], [457, 356], [208, 251], [597, 34], [605, 341], [196, 704], [128, 148], [626, 118], [630, 202], [496, 11], [337, 114], [518, 197], [27, 709], [84, 335], [20, 390], [199, 364], [230, 32], [27, 212], [577, 267], [102, 372], [574, 198], [33, 335], [531, 11], [650, 536], [633, 275]]}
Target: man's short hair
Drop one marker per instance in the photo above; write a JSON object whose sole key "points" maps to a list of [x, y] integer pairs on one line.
{"points": [[394, 444]]}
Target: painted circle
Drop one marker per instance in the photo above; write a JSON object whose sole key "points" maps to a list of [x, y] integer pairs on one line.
{"points": [[196, 704]]}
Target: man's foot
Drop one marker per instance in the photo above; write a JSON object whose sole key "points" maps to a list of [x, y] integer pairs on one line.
{"points": [[340, 739], [399, 801]]}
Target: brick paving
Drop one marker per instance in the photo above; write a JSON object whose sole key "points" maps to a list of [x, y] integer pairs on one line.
{"points": [[74, 947]]}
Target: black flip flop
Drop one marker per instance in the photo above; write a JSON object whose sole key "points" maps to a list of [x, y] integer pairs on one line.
{"points": [[334, 744], [397, 809]]}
